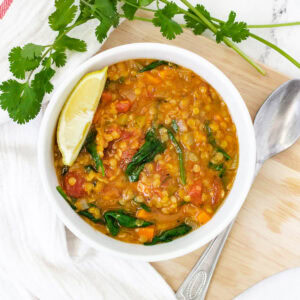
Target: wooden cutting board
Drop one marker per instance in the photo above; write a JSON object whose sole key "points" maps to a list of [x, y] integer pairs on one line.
{"points": [[266, 236]]}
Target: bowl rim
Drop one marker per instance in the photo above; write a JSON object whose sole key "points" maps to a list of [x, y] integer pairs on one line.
{"points": [[222, 217]]}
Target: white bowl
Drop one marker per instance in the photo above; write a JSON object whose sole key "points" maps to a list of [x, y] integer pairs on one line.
{"points": [[231, 205]]}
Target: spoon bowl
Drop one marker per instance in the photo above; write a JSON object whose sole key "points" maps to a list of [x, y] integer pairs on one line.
{"points": [[277, 123]]}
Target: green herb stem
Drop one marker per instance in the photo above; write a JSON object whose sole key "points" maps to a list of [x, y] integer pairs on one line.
{"points": [[138, 18], [137, 6], [228, 42], [279, 50], [274, 25]]}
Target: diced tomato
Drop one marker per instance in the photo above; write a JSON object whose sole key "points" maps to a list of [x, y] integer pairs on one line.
{"points": [[126, 157], [216, 190], [196, 192], [126, 134], [123, 106], [73, 184], [106, 96]]}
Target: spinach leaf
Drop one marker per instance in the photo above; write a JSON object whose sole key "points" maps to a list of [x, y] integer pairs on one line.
{"points": [[67, 198], [212, 141], [153, 65], [174, 126], [91, 148], [115, 219], [179, 151], [218, 167], [169, 235], [146, 153], [90, 216], [145, 207]]}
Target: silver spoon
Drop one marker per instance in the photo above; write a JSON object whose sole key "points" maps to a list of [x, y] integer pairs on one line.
{"points": [[277, 127]]}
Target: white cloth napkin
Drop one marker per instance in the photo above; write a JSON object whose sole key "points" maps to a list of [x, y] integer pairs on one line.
{"points": [[284, 285], [39, 257]]}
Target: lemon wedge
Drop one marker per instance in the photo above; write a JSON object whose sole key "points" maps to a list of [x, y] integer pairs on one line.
{"points": [[77, 114]]}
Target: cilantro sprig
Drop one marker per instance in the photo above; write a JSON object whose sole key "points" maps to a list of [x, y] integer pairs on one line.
{"points": [[33, 65]]}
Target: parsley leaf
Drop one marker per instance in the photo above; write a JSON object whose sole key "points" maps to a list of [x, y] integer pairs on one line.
{"points": [[163, 19], [59, 57], [197, 26], [130, 10], [32, 51], [64, 14], [71, 44], [19, 65], [20, 101], [237, 31]]}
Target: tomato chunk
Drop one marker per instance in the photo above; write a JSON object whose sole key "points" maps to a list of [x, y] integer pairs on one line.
{"points": [[126, 158], [106, 96], [73, 184], [126, 134], [123, 106], [217, 187], [196, 193]]}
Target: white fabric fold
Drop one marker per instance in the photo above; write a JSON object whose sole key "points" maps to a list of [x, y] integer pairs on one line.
{"points": [[36, 261]]}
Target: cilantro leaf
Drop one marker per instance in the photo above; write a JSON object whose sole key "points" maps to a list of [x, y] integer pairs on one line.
{"points": [[59, 57], [129, 10], [102, 29], [197, 26], [64, 14], [19, 65], [106, 9], [41, 82], [85, 10], [237, 31], [19, 100], [29, 105], [163, 19], [32, 51], [106, 12], [145, 2], [71, 44]]}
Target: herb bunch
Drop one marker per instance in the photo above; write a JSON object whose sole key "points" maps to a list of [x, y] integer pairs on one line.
{"points": [[33, 66]]}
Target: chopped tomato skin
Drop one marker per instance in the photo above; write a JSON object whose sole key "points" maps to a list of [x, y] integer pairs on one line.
{"points": [[216, 190], [106, 97], [126, 135], [126, 158], [73, 184], [123, 106], [196, 193]]}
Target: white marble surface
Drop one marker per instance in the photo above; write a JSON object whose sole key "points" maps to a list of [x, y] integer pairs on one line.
{"points": [[265, 12]]}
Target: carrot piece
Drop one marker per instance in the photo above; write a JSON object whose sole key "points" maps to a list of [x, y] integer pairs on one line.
{"points": [[143, 214], [203, 217], [152, 79], [106, 96], [146, 232]]}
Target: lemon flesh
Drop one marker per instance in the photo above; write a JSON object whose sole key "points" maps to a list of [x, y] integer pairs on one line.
{"points": [[77, 114]]}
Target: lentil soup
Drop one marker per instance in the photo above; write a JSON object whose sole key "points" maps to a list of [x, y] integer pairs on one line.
{"points": [[160, 156]]}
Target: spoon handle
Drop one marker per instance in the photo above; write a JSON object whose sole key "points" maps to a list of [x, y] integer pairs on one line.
{"points": [[196, 284]]}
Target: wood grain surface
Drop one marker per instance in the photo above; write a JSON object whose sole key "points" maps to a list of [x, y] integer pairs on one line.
{"points": [[266, 236]]}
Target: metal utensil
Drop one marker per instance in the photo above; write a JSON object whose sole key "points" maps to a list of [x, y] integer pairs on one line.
{"points": [[277, 127]]}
